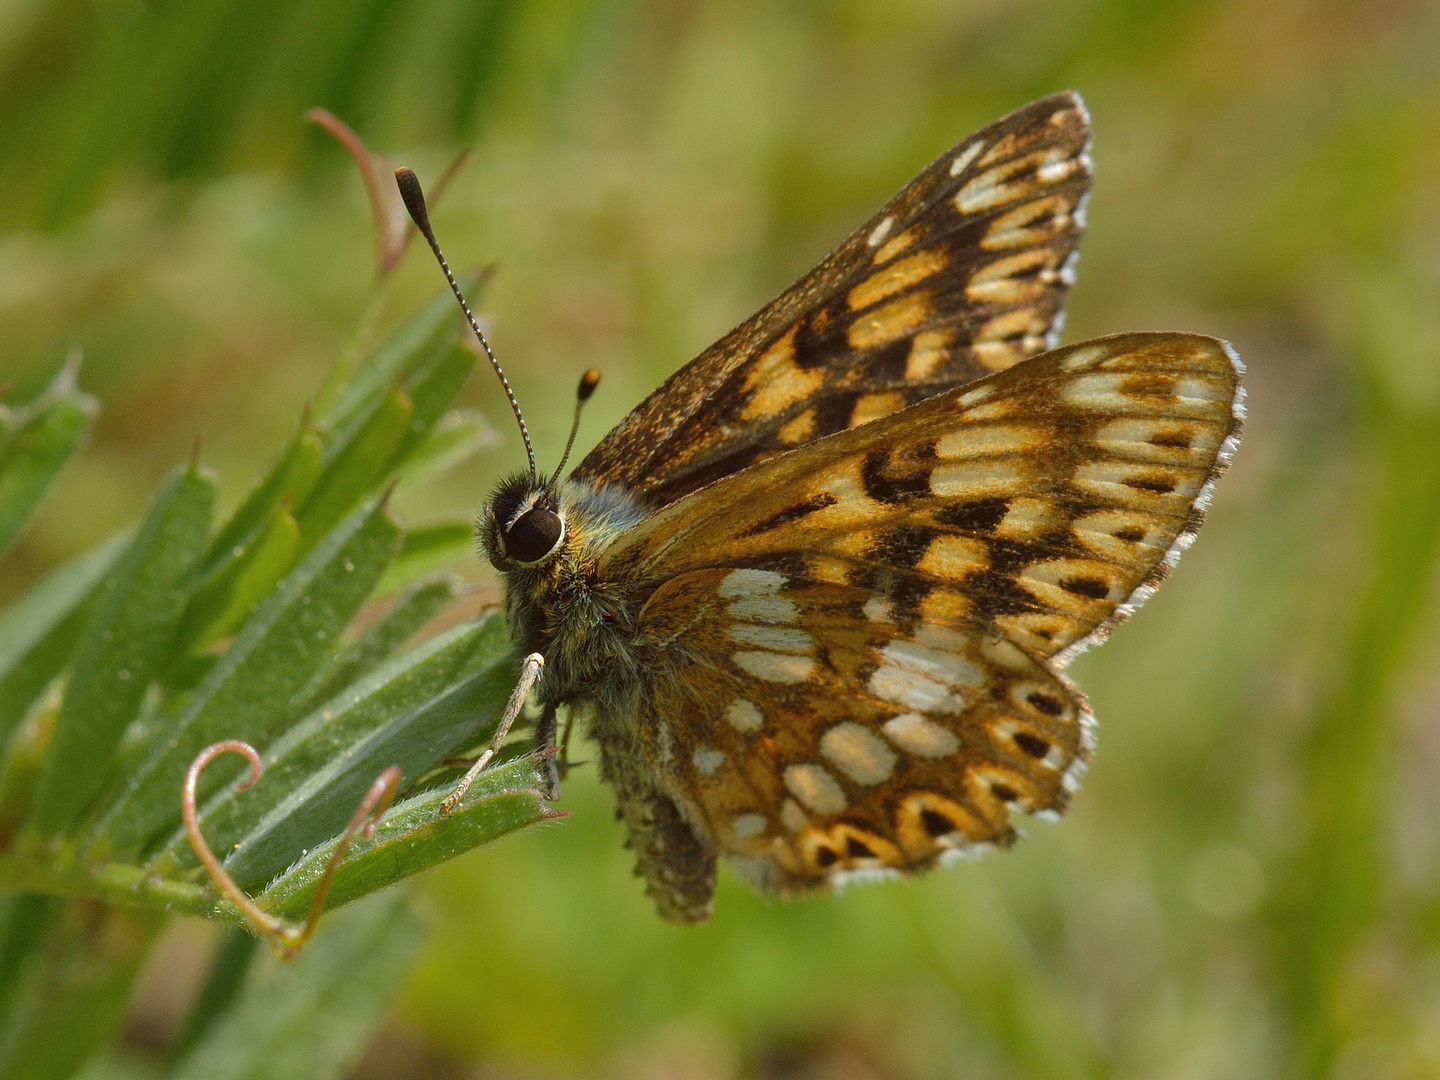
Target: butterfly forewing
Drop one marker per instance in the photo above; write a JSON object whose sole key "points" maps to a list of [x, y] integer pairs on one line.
{"points": [[963, 273], [1043, 501], [819, 739]]}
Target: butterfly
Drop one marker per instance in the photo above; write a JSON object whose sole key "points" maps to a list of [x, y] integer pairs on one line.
{"points": [[816, 593]]}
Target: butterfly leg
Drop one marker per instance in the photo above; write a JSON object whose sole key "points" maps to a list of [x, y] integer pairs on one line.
{"points": [[529, 675]]}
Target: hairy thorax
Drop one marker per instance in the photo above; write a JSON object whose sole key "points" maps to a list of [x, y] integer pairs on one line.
{"points": [[563, 609]]}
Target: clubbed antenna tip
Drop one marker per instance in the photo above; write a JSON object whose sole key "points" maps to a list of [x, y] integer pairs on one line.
{"points": [[588, 382], [414, 198]]}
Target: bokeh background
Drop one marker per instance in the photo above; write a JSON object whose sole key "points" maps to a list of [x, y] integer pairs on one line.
{"points": [[1249, 886]]}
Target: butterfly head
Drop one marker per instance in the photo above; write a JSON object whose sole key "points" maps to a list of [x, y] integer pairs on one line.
{"points": [[523, 524]]}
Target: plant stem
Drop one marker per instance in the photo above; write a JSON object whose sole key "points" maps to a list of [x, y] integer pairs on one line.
{"points": [[113, 882]]}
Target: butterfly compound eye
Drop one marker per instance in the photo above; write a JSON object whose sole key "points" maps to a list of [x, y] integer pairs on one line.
{"points": [[534, 535]]}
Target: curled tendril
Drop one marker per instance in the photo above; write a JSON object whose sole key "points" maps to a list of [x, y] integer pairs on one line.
{"points": [[285, 938]]}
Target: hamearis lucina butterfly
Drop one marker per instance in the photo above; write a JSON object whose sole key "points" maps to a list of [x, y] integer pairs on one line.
{"points": [[814, 596]]}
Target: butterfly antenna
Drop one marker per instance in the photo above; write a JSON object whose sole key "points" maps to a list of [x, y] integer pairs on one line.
{"points": [[588, 382], [415, 203]]}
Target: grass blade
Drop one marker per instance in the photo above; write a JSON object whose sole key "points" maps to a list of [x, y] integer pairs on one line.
{"points": [[124, 646], [1329, 893], [427, 549], [407, 729], [223, 601], [405, 615], [38, 632], [291, 480], [273, 657], [311, 1019], [432, 331], [453, 438], [432, 388], [40, 440], [69, 982], [411, 712], [412, 836], [357, 466]]}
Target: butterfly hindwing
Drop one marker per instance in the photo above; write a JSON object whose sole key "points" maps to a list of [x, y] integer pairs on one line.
{"points": [[817, 738], [964, 272]]}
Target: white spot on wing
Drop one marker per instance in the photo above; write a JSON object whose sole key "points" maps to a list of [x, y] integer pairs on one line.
{"points": [[974, 397], [749, 825], [776, 667], [792, 817], [965, 157], [777, 638], [1084, 357], [741, 584], [938, 663], [816, 788], [881, 231], [858, 753], [916, 735], [877, 609], [744, 716], [974, 479], [913, 691], [1199, 390], [1055, 171], [707, 760], [771, 609]]}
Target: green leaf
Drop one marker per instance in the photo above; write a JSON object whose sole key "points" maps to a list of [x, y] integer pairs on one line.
{"points": [[427, 549], [36, 446], [430, 332], [123, 646], [24, 757], [233, 960], [23, 919], [38, 632], [292, 479], [223, 600], [411, 712], [356, 468], [432, 388], [413, 836], [410, 611], [69, 981], [453, 438], [272, 658], [312, 1018]]}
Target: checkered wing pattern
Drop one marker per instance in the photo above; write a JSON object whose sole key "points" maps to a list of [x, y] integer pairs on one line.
{"points": [[864, 637], [822, 739], [963, 273]]}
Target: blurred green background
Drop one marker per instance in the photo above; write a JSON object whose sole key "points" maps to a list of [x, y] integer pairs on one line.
{"points": [[1249, 885]]}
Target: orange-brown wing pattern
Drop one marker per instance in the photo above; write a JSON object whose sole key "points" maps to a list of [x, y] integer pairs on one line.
{"points": [[853, 650], [1042, 503], [963, 273], [807, 736]]}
